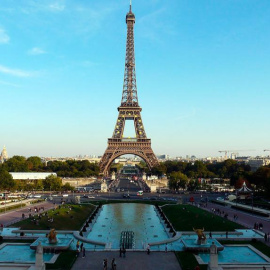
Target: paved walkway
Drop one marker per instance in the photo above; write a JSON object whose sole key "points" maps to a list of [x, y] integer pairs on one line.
{"points": [[244, 218], [133, 261], [16, 215]]}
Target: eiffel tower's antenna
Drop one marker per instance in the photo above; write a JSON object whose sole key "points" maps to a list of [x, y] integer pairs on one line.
{"points": [[130, 5]]}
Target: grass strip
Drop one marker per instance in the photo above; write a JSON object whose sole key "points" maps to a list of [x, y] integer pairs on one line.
{"points": [[186, 217], [67, 217], [64, 261], [188, 261], [8, 208]]}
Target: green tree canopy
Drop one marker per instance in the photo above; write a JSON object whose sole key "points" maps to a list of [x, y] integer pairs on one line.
{"points": [[6, 180]]}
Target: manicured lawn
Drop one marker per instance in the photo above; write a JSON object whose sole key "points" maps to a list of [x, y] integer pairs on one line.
{"points": [[63, 218], [64, 261], [188, 261], [186, 217]]}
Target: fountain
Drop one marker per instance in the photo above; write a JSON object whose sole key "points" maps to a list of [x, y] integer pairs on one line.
{"points": [[200, 244], [51, 242], [52, 236], [201, 236]]}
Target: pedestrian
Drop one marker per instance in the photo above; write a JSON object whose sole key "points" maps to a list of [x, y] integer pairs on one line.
{"points": [[148, 249], [124, 252], [265, 237], [113, 263], [166, 248], [83, 250], [81, 246], [226, 234], [120, 252], [105, 263], [77, 252], [78, 244], [210, 234]]}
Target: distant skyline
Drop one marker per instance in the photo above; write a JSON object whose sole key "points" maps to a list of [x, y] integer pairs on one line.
{"points": [[202, 75]]}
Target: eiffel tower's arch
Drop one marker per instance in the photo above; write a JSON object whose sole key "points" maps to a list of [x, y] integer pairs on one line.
{"points": [[116, 155]]}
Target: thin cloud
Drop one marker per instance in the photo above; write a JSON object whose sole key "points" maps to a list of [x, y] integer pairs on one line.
{"points": [[4, 38], [57, 7], [188, 115], [15, 72], [9, 84], [36, 51], [153, 27]]}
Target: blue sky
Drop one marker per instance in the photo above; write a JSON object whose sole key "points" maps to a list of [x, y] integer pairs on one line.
{"points": [[202, 75]]}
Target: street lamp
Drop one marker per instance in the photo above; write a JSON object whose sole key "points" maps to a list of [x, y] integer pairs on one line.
{"points": [[252, 201], [5, 203]]}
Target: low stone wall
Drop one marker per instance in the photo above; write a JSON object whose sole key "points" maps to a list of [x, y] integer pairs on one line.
{"points": [[78, 182]]}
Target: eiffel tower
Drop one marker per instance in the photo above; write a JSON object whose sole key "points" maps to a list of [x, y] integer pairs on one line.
{"points": [[129, 110]]}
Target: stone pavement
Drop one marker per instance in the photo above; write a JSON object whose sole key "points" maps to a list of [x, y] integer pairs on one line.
{"points": [[15, 215], [244, 218], [133, 261]]}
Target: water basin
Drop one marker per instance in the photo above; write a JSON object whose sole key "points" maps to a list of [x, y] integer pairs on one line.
{"points": [[142, 219], [20, 253], [236, 255], [62, 243]]}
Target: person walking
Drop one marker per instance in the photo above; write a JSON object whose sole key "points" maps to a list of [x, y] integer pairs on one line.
{"points": [[124, 252], [166, 248], [120, 252], [81, 246], [83, 250], [210, 234], [105, 263], [78, 244], [113, 264], [148, 249], [77, 252]]}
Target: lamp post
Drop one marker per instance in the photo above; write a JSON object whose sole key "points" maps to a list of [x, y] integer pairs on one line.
{"points": [[252, 201], [5, 203]]}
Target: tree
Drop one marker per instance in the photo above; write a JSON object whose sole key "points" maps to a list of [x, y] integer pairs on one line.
{"points": [[193, 185], [52, 182], [16, 164], [6, 180], [178, 180], [34, 163], [159, 170], [67, 187]]}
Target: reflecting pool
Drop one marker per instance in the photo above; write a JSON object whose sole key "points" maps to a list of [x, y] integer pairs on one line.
{"points": [[142, 219], [20, 253], [236, 254]]}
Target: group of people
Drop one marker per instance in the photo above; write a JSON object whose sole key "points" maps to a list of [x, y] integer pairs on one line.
{"points": [[122, 251], [267, 237], [113, 264], [80, 248], [258, 226]]}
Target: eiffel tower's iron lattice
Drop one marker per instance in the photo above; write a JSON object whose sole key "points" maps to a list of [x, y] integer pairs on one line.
{"points": [[129, 110]]}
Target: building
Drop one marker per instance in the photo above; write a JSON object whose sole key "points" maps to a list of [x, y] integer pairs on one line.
{"points": [[4, 155], [31, 176], [256, 163]]}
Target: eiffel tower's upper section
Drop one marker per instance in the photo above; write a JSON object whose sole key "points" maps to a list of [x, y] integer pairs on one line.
{"points": [[129, 95]]}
